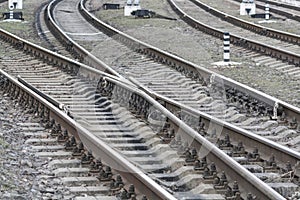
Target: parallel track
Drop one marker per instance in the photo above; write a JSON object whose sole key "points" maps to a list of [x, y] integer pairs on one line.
{"points": [[285, 4], [116, 91], [199, 100], [287, 51], [288, 11], [107, 118], [49, 110]]}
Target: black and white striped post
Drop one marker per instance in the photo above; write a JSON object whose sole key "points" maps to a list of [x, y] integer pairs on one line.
{"points": [[11, 14], [267, 11], [226, 47]]}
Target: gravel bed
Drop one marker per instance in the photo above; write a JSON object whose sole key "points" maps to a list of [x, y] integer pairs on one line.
{"points": [[198, 48], [19, 167]]}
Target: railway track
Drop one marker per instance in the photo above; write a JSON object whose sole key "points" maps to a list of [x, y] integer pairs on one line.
{"points": [[287, 11], [69, 175], [155, 74], [114, 91], [258, 39], [252, 62], [64, 128], [294, 5], [176, 88], [130, 125]]}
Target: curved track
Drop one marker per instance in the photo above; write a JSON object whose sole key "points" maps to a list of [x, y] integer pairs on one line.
{"points": [[64, 127], [107, 117], [134, 55], [166, 81], [102, 110]]}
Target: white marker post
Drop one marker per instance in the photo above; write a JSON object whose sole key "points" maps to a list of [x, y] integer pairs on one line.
{"points": [[267, 12], [226, 47]]}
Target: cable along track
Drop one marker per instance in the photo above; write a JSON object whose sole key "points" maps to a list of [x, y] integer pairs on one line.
{"points": [[129, 120]]}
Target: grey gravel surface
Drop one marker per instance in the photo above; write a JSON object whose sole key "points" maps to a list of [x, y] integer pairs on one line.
{"points": [[19, 167]]}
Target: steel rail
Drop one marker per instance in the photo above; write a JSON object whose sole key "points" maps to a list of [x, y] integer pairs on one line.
{"points": [[158, 54], [78, 52], [235, 171], [177, 62], [278, 11], [56, 59], [290, 110], [281, 35], [223, 162], [250, 140], [101, 150], [282, 4]]}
